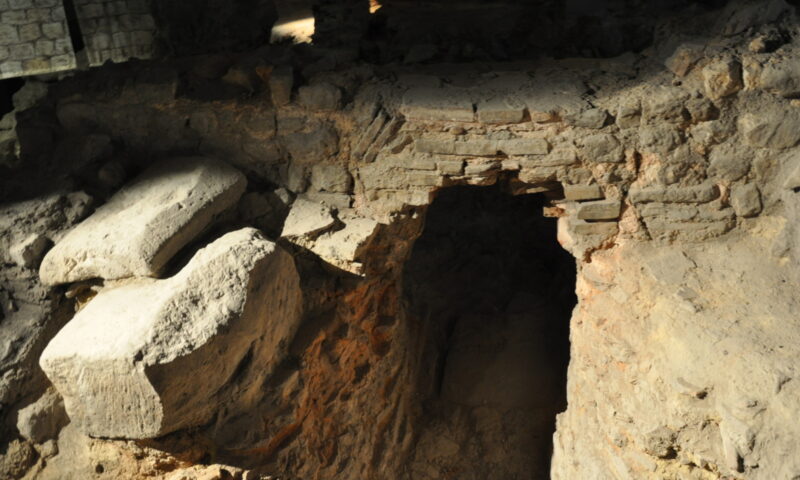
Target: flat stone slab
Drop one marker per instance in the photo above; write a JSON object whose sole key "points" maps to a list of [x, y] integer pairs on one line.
{"points": [[341, 241], [146, 223], [155, 356]]}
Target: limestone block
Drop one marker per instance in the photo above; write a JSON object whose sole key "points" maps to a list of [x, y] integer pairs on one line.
{"points": [[437, 104], [143, 225], [154, 356], [523, 146], [729, 161], [581, 227], [591, 118], [345, 247], [601, 148], [629, 114], [42, 420], [29, 32], [29, 252], [771, 127], [780, 76], [307, 218], [331, 178], [696, 194], [450, 167], [684, 58], [722, 78], [582, 192], [320, 96], [501, 110], [746, 200], [599, 210], [449, 145], [280, 85], [664, 103], [552, 98]]}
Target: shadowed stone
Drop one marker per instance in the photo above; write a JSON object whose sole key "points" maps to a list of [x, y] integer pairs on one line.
{"points": [[143, 225], [154, 356]]}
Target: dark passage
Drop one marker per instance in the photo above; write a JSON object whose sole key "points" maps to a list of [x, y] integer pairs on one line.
{"points": [[493, 293]]}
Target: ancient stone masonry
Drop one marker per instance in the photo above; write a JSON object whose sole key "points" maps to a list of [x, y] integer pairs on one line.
{"points": [[34, 38], [116, 30]]}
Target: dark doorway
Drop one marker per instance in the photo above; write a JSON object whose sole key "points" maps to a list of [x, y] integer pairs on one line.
{"points": [[492, 293]]}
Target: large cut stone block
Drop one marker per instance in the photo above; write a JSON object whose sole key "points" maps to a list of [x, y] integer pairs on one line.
{"points": [[143, 225], [155, 356]]}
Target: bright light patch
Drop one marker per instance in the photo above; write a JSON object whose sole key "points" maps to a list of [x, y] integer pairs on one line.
{"points": [[374, 6], [300, 31]]}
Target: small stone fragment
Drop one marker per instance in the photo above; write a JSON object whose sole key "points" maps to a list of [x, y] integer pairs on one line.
{"points": [[746, 200], [307, 218], [29, 252], [684, 58], [722, 78], [331, 178]]}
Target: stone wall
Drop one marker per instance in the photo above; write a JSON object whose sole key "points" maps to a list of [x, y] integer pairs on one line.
{"points": [[673, 174], [116, 30], [34, 38]]}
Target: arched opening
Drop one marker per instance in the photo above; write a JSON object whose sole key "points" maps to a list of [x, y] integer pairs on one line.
{"points": [[491, 293]]}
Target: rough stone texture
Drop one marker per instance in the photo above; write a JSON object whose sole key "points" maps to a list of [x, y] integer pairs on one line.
{"points": [[143, 225], [236, 305], [722, 78], [746, 200], [717, 413]]}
